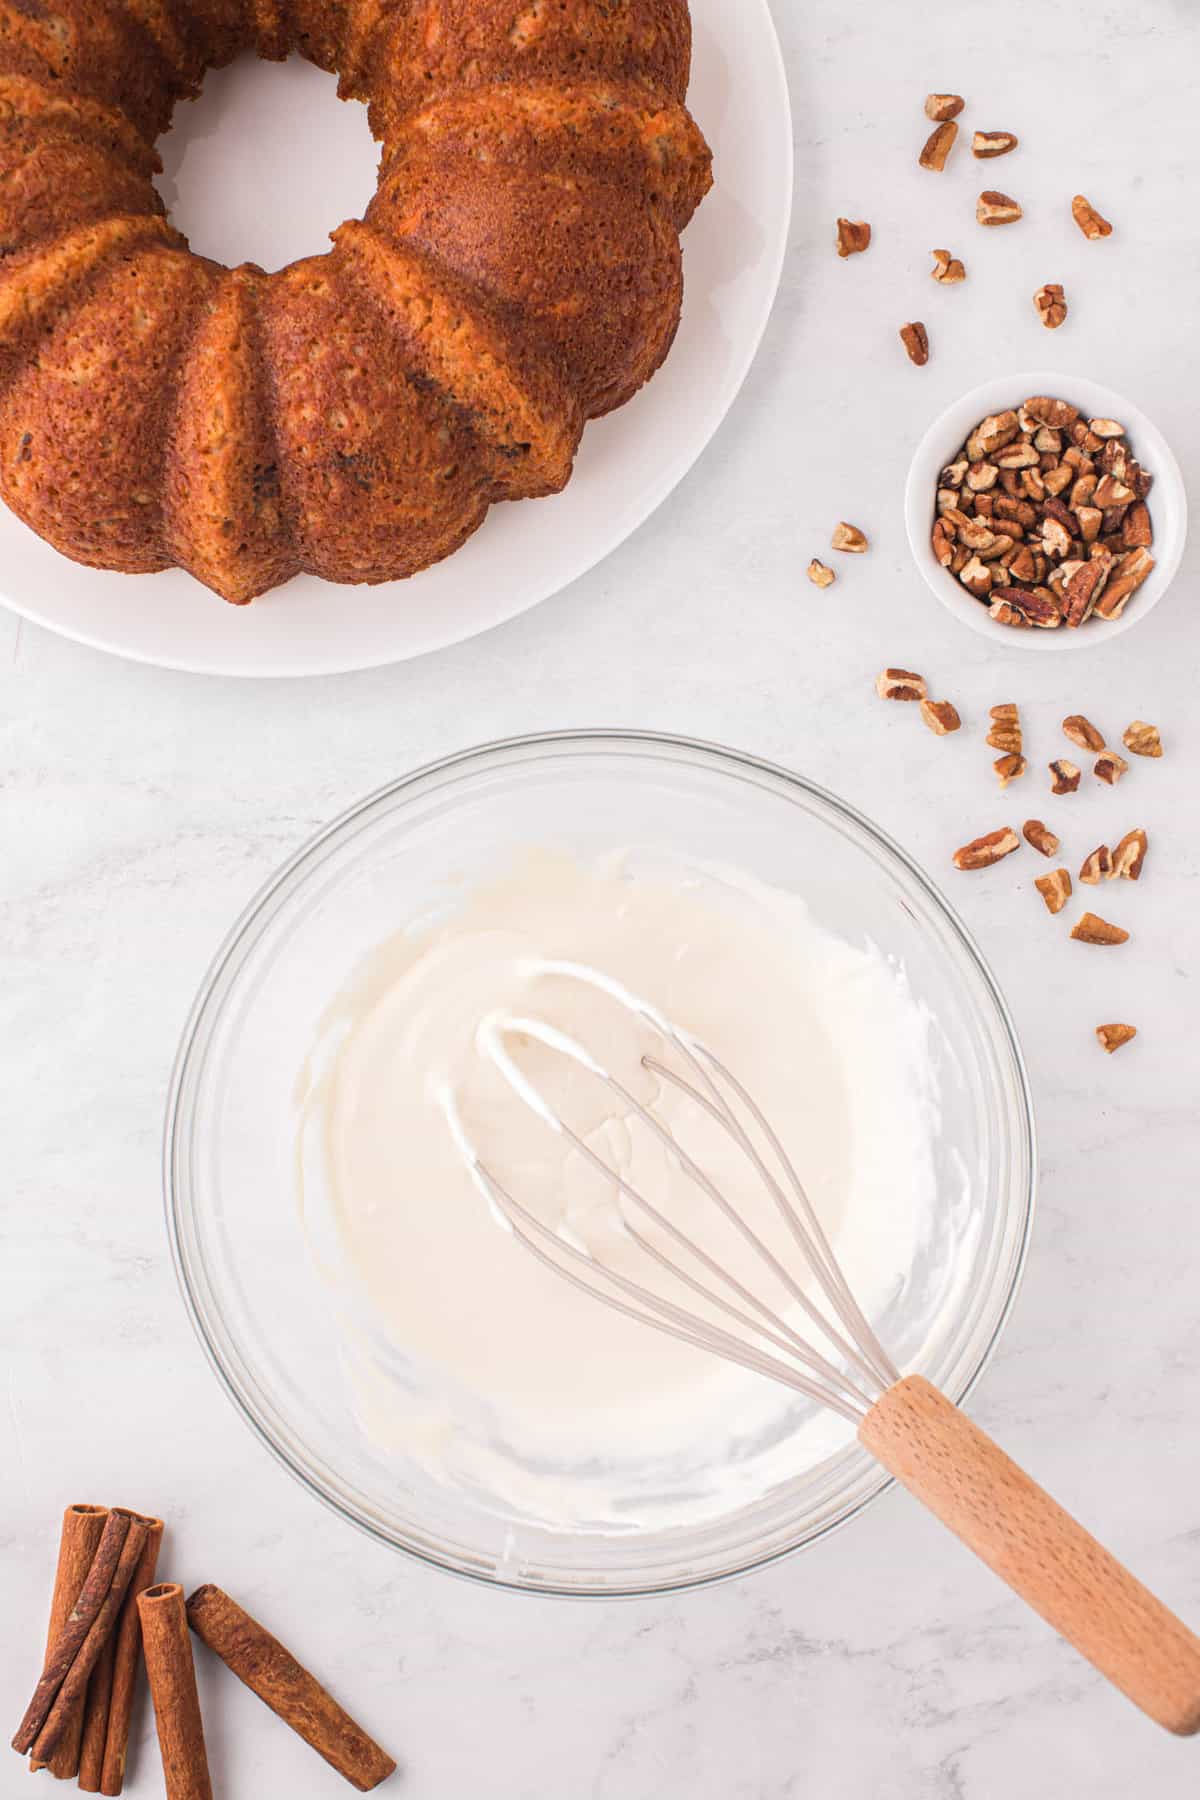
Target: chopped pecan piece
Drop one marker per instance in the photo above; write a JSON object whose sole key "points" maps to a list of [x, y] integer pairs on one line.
{"points": [[1046, 410], [1006, 614], [976, 577], [941, 107], [1126, 578], [1106, 428], [992, 434], [1142, 739], [1088, 219], [1040, 837], [982, 477], [1083, 590], [940, 716], [1051, 303], [984, 852], [1065, 777], [942, 541], [820, 575], [1109, 767], [901, 684], [993, 208], [1055, 889], [1092, 930], [1111, 1037], [849, 537], [1059, 478], [1129, 856], [1090, 519], [915, 339], [992, 143], [1009, 768], [1081, 731], [1005, 733], [1137, 532], [946, 268], [1097, 867], [853, 236], [938, 145]]}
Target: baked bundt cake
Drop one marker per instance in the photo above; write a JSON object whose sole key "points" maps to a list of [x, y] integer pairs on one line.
{"points": [[355, 414]]}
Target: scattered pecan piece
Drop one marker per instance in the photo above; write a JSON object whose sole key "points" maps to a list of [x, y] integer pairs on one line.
{"points": [[1055, 889], [853, 236], [901, 684], [984, 852], [1142, 739], [1093, 930], [1042, 839], [1097, 867], [915, 339], [849, 537], [941, 716], [1088, 219], [1111, 1037], [1009, 768], [993, 143], [1005, 733], [1081, 731], [938, 145], [1051, 303], [941, 107], [1129, 856], [1109, 767], [946, 268], [1065, 777], [821, 576], [993, 208]]}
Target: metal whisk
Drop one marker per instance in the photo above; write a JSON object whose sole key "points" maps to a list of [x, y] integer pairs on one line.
{"points": [[912, 1429]]}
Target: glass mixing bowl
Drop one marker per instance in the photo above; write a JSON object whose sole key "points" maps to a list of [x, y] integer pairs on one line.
{"points": [[260, 1306]]}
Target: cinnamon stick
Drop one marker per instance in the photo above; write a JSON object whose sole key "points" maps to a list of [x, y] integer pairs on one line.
{"points": [[172, 1678], [82, 1526], [95, 1713], [294, 1695], [69, 1644], [114, 1681], [68, 1702]]}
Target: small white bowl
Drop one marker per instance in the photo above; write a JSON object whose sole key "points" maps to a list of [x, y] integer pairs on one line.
{"points": [[947, 434]]}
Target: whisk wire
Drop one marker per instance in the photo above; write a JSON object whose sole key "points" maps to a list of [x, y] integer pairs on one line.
{"points": [[654, 1310]]}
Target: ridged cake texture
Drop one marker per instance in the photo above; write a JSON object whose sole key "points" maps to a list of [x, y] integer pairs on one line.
{"points": [[355, 414]]}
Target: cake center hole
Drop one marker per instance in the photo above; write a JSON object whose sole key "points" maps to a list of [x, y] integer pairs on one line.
{"points": [[266, 162]]}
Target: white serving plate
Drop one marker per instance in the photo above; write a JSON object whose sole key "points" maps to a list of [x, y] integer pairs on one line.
{"points": [[627, 465]]}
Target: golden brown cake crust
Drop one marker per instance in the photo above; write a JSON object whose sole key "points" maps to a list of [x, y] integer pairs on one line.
{"points": [[354, 414]]}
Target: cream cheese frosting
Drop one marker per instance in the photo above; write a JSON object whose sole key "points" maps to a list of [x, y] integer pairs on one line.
{"points": [[466, 1353]]}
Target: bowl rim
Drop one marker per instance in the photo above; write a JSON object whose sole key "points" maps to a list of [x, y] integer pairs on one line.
{"points": [[935, 446], [274, 888]]}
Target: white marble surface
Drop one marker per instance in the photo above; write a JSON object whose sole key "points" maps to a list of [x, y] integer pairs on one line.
{"points": [[141, 809]]}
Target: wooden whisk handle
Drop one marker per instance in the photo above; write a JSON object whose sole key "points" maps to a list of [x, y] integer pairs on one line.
{"points": [[1043, 1554]]}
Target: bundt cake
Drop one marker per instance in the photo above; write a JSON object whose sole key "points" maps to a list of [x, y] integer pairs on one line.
{"points": [[355, 414]]}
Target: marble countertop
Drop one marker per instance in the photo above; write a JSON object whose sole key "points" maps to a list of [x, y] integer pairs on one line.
{"points": [[141, 809]]}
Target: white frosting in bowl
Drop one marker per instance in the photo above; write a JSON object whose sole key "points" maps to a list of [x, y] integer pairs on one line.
{"points": [[469, 1354]]}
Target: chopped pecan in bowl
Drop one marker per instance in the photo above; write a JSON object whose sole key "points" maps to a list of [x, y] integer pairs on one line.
{"points": [[1049, 508]]}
